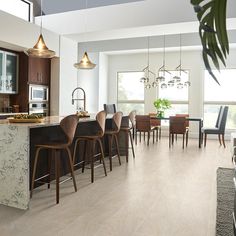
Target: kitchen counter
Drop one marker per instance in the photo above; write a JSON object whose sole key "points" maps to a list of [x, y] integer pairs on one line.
{"points": [[17, 152]]}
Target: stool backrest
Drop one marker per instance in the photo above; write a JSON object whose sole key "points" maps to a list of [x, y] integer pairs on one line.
{"points": [[132, 115], [69, 124], [117, 117], [177, 125], [101, 120]]}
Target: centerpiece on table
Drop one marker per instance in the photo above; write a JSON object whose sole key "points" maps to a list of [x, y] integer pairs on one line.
{"points": [[161, 104]]}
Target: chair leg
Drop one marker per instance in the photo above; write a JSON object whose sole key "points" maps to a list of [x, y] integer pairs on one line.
{"points": [[102, 156], [84, 155], [140, 136], [157, 134], [117, 148], [183, 140], [153, 136], [160, 133], [170, 135], [176, 137], [57, 173], [144, 135], [71, 168], [219, 139], [136, 137], [205, 139], [132, 145], [223, 140], [34, 170], [186, 138], [148, 138]]}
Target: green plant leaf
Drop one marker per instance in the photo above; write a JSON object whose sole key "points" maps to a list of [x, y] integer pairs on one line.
{"points": [[211, 15]]}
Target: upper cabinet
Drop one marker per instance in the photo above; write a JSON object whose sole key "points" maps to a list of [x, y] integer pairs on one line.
{"points": [[39, 71], [8, 72]]}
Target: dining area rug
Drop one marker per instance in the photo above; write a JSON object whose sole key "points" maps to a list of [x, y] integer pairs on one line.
{"points": [[225, 201]]}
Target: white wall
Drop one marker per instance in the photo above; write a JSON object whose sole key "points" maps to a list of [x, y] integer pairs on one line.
{"points": [[89, 81], [68, 75]]}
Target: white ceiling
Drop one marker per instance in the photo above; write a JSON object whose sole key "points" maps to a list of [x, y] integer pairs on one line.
{"points": [[129, 20]]}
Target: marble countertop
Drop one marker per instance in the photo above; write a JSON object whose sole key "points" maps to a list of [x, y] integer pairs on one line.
{"points": [[12, 114], [48, 121]]}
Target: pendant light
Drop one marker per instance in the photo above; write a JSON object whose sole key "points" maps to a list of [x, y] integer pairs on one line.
{"points": [[148, 72], [40, 49], [85, 62], [161, 78]]}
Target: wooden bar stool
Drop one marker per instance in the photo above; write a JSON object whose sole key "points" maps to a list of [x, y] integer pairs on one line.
{"points": [[128, 134], [93, 139], [112, 134], [68, 125]]}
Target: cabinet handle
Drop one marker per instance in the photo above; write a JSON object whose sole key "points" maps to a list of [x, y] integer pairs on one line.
{"points": [[41, 77], [37, 76]]}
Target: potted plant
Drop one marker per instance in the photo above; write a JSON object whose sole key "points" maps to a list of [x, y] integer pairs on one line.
{"points": [[161, 104]]}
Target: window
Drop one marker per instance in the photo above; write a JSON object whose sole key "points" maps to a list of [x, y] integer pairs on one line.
{"points": [[215, 95], [19, 8], [177, 96], [130, 92]]}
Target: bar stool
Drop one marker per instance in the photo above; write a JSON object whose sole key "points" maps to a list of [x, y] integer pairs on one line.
{"points": [[92, 139], [128, 134], [112, 135], [68, 125]]}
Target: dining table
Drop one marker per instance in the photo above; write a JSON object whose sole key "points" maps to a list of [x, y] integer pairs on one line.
{"points": [[194, 119]]}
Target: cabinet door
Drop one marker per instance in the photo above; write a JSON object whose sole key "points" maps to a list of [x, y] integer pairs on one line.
{"points": [[39, 71], [11, 73], [8, 72]]}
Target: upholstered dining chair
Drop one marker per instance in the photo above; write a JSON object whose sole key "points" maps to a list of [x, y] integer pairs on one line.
{"points": [[68, 126], [112, 135], [143, 125], [177, 125], [186, 121], [92, 140], [109, 108], [128, 134], [219, 129], [156, 124]]}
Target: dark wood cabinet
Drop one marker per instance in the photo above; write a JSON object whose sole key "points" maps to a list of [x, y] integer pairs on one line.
{"points": [[39, 71]]}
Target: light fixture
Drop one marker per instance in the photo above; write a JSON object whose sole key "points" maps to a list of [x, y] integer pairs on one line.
{"points": [[40, 49], [148, 73], [178, 79], [161, 78], [85, 62]]}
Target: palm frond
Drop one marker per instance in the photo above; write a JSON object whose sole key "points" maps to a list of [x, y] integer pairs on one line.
{"points": [[211, 15]]}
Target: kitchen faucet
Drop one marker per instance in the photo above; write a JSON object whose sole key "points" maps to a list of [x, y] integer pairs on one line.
{"points": [[79, 99]]}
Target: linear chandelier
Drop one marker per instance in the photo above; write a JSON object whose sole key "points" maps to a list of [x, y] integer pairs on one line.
{"points": [[40, 49]]}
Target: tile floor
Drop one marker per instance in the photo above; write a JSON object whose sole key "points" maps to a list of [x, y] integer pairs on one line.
{"points": [[162, 192]]}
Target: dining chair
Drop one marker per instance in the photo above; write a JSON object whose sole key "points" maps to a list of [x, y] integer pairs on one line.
{"points": [[143, 125], [219, 129], [128, 135], [109, 108], [156, 124], [68, 126], [186, 121], [177, 125]]}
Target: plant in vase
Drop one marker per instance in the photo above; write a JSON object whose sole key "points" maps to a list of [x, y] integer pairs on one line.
{"points": [[161, 104]]}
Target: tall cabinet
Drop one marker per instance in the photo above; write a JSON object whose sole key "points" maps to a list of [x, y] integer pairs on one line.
{"points": [[8, 72], [31, 71]]}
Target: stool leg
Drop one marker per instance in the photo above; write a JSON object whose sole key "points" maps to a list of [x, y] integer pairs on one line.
{"points": [[132, 145], [117, 148], [110, 139], [49, 166], [92, 161], [71, 168], [75, 148], [102, 156], [34, 171], [57, 173], [84, 155]]}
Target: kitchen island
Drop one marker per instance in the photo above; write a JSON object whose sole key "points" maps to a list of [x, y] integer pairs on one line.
{"points": [[17, 154]]}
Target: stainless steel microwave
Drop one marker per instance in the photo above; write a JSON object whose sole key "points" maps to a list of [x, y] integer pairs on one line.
{"points": [[38, 93]]}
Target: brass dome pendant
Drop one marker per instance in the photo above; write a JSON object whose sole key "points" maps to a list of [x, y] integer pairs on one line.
{"points": [[85, 63], [40, 49]]}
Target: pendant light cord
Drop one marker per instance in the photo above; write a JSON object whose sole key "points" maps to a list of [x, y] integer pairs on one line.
{"points": [[41, 18], [180, 54], [164, 55]]}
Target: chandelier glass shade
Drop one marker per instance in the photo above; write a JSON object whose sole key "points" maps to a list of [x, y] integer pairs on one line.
{"points": [[40, 49]]}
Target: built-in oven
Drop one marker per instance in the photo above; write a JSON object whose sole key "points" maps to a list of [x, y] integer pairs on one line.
{"points": [[38, 93], [39, 108]]}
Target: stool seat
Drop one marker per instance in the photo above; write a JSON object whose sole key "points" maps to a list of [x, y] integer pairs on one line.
{"points": [[52, 145], [111, 132]]}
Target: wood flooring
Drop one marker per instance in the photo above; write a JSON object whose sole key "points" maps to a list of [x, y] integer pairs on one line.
{"points": [[162, 192]]}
